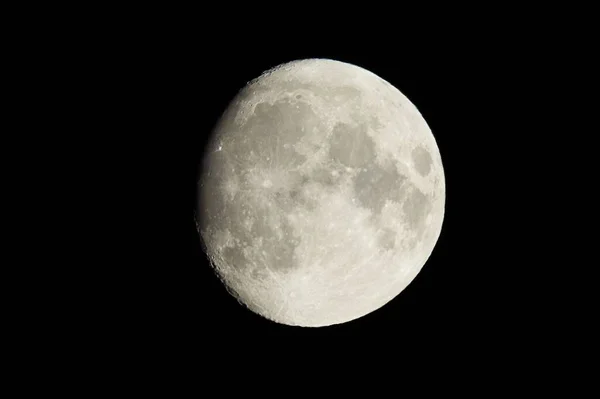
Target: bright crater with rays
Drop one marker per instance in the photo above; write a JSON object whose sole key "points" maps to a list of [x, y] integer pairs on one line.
{"points": [[321, 194]]}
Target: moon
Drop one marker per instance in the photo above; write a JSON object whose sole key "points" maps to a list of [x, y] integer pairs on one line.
{"points": [[321, 193]]}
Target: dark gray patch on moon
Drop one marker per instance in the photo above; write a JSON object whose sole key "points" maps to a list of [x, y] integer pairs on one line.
{"points": [[270, 234], [259, 273], [278, 241], [234, 256], [386, 238], [351, 146], [279, 254], [374, 185], [270, 133], [324, 177], [289, 197], [416, 207], [422, 160], [329, 175], [296, 196]]}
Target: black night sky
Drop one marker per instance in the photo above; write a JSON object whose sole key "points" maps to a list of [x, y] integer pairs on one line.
{"points": [[145, 91], [471, 293]]}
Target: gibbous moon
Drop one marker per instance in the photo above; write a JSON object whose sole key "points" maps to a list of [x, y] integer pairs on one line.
{"points": [[321, 193]]}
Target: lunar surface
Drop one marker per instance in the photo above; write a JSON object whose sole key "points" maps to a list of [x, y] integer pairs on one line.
{"points": [[321, 194]]}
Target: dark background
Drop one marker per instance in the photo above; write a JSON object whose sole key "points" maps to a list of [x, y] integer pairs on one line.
{"points": [[491, 97], [480, 289], [140, 92]]}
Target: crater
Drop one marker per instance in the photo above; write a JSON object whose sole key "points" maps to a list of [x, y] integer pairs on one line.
{"points": [[374, 185], [422, 160], [351, 146]]}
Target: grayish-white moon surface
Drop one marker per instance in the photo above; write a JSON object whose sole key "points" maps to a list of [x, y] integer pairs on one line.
{"points": [[321, 195]]}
